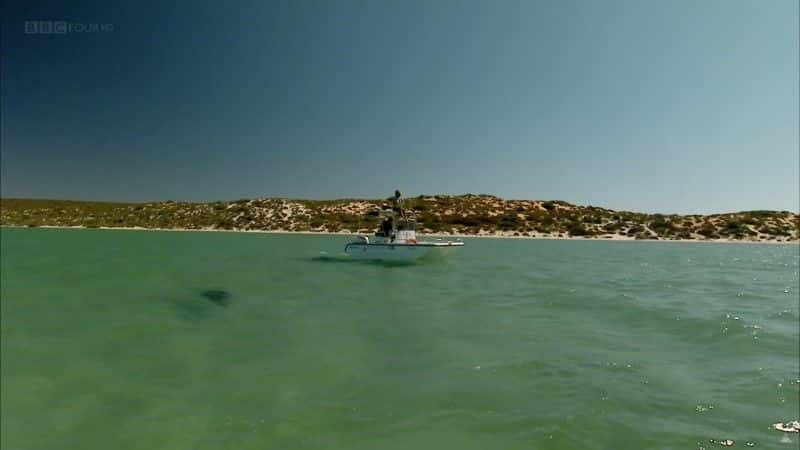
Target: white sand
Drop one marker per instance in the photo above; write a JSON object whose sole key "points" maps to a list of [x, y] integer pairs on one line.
{"points": [[495, 235]]}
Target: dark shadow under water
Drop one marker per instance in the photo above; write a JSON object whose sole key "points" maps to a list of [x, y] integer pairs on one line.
{"points": [[200, 304], [344, 259], [217, 296]]}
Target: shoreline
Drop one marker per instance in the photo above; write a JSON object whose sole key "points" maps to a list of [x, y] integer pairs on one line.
{"points": [[602, 238]]}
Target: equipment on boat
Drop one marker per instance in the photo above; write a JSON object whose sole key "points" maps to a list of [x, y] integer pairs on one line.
{"points": [[396, 238]]}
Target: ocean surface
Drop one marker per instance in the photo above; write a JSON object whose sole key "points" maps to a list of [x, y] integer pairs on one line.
{"points": [[192, 340]]}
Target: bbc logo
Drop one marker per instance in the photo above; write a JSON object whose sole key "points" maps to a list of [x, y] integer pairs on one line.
{"points": [[46, 27]]}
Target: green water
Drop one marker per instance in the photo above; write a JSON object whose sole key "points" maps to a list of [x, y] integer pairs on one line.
{"points": [[111, 340]]}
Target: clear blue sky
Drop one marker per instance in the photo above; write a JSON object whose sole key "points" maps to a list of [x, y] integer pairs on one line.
{"points": [[649, 105]]}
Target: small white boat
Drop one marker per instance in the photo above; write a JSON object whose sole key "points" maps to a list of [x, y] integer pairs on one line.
{"points": [[396, 240]]}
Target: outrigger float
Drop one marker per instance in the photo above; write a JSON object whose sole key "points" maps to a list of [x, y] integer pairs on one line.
{"points": [[396, 240]]}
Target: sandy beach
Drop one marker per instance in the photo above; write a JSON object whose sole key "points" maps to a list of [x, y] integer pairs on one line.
{"points": [[497, 235]]}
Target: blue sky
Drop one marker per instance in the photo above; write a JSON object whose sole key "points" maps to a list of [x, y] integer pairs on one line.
{"points": [[674, 107]]}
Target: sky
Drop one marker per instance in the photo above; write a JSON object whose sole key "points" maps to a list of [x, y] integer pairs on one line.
{"points": [[683, 106]]}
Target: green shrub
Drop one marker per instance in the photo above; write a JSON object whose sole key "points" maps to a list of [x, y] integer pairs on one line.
{"points": [[662, 227], [577, 229], [507, 221], [709, 231], [468, 221], [634, 230], [781, 231], [593, 219]]}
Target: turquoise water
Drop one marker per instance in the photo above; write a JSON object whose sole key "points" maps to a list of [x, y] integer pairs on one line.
{"points": [[166, 340]]}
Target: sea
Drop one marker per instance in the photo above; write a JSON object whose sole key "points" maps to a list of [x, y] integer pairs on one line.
{"points": [[203, 340]]}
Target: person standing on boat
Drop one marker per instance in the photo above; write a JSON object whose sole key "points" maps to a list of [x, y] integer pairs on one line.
{"points": [[396, 201], [390, 228], [386, 227]]}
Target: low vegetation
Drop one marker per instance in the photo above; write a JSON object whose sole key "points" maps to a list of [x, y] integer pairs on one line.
{"points": [[466, 214]]}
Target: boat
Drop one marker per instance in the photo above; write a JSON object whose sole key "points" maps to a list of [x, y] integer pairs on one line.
{"points": [[396, 240]]}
